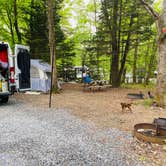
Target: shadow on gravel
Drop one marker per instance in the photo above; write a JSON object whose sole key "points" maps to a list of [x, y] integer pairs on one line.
{"points": [[12, 102]]}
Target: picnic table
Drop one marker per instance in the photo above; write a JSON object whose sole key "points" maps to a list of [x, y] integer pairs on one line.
{"points": [[97, 85]]}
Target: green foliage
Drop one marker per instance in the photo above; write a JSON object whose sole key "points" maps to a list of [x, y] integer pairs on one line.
{"points": [[147, 102], [65, 56], [83, 34], [93, 48], [142, 30], [37, 36], [32, 21], [157, 5], [149, 87]]}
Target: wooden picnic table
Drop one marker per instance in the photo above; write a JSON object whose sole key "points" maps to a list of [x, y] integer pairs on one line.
{"points": [[96, 87]]}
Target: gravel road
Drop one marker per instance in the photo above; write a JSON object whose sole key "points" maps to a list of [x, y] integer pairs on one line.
{"points": [[32, 136]]}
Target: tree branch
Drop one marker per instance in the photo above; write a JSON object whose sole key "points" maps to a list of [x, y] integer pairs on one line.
{"points": [[148, 7]]}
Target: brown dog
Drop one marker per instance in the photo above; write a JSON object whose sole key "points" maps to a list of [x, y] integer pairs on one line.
{"points": [[126, 106]]}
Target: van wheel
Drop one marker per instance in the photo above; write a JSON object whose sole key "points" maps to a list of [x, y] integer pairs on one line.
{"points": [[5, 99]]}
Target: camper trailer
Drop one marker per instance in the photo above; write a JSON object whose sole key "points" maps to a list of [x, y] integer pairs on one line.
{"points": [[14, 70]]}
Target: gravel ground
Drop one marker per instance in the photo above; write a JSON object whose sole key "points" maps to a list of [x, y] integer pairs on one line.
{"points": [[34, 136]]}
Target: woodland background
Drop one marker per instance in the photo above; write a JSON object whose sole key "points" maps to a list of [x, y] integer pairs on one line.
{"points": [[112, 37]]}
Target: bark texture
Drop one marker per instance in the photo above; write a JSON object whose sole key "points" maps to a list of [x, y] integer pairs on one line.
{"points": [[16, 21], [160, 23], [115, 52], [161, 78]]}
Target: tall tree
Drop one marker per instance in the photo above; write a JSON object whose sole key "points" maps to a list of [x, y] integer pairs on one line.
{"points": [[120, 22], [160, 20], [16, 21], [115, 48], [52, 41], [149, 68], [6, 18], [37, 32], [135, 60]]}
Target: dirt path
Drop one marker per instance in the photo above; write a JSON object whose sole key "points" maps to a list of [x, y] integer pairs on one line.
{"points": [[101, 108]]}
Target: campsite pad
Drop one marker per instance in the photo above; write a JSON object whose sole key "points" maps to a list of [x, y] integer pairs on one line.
{"points": [[33, 136], [103, 109]]}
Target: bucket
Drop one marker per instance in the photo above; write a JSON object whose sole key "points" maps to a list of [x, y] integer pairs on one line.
{"points": [[4, 86]]}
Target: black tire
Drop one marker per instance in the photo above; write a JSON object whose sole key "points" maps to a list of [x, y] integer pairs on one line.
{"points": [[5, 99]]}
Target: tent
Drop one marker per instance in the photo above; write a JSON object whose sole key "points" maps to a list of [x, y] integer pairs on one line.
{"points": [[40, 75]]}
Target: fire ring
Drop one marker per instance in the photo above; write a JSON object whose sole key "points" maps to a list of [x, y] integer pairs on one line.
{"points": [[150, 133]]}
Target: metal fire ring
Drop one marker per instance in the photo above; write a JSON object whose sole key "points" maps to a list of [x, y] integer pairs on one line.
{"points": [[158, 138]]}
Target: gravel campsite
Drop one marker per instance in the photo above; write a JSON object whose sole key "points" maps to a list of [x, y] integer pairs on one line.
{"points": [[81, 128], [83, 83]]}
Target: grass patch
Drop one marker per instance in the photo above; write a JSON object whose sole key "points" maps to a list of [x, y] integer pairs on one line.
{"points": [[139, 86], [147, 102]]}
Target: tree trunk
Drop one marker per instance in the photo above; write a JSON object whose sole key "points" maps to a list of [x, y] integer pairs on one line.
{"points": [[146, 60], [120, 23], [151, 63], [124, 76], [52, 42], [161, 77], [97, 44], [127, 46], [108, 22], [11, 25], [115, 52], [16, 21], [135, 61], [135, 53]]}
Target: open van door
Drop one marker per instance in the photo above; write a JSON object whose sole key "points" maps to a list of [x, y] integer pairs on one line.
{"points": [[22, 67]]}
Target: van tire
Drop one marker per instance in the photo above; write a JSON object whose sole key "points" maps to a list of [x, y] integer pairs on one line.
{"points": [[5, 99]]}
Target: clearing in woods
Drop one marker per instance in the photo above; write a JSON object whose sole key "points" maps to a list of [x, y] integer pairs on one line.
{"points": [[103, 108]]}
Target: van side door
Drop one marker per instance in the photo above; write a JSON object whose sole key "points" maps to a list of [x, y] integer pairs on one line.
{"points": [[22, 67]]}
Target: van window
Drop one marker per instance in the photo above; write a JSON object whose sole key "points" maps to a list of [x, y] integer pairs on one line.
{"points": [[23, 62]]}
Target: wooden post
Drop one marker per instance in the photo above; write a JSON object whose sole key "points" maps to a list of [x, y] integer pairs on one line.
{"points": [[52, 72], [52, 48]]}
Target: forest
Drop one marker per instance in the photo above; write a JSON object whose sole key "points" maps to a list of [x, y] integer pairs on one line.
{"points": [[116, 39]]}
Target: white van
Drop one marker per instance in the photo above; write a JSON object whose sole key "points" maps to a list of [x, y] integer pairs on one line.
{"points": [[14, 70]]}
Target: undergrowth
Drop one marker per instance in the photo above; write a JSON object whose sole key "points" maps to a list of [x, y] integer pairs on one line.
{"points": [[139, 86]]}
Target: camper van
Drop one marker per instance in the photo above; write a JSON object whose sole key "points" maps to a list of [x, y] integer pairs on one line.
{"points": [[14, 70]]}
